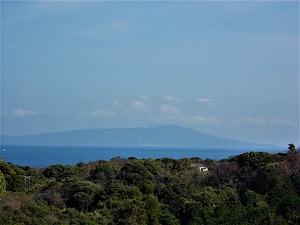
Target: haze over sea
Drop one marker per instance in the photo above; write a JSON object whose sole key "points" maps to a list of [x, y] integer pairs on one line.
{"points": [[40, 156]]}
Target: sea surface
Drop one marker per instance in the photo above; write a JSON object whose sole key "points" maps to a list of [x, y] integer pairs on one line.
{"points": [[42, 156]]}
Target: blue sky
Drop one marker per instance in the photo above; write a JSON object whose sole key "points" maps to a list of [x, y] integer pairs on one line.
{"points": [[229, 69]]}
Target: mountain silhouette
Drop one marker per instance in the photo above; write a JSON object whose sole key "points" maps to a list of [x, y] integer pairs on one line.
{"points": [[158, 135]]}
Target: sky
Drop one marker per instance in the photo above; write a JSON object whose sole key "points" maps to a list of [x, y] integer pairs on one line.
{"points": [[229, 69]]}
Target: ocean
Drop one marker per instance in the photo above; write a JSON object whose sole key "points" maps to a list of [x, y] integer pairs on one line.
{"points": [[42, 156]]}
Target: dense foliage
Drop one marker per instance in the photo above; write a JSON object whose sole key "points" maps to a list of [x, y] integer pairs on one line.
{"points": [[251, 188]]}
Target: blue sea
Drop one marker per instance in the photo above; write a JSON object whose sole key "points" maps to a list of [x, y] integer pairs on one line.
{"points": [[41, 156]]}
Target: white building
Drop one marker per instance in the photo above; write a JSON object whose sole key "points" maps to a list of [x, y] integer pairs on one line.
{"points": [[201, 167]]}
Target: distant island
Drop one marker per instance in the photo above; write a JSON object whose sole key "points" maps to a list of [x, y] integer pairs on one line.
{"points": [[158, 135]]}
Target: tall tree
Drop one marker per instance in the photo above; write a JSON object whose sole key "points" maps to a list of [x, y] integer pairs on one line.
{"points": [[2, 184]]}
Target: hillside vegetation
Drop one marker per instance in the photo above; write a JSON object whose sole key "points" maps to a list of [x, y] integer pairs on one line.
{"points": [[251, 188]]}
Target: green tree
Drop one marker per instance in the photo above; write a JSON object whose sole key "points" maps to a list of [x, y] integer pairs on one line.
{"points": [[14, 177], [167, 218], [117, 190], [62, 172], [2, 184], [256, 159], [212, 206], [166, 163], [230, 209], [256, 207], [147, 187], [103, 173], [182, 164], [152, 209], [138, 215], [296, 182], [285, 202], [134, 172], [84, 195], [266, 179], [292, 147], [153, 167]]}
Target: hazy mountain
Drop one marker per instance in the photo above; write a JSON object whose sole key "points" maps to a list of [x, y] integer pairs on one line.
{"points": [[155, 135]]}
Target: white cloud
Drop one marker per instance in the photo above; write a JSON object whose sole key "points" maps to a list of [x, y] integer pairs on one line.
{"points": [[251, 121], [172, 98], [284, 122], [204, 100], [98, 113], [23, 113], [261, 122], [117, 104], [169, 109], [144, 98], [140, 106], [204, 119], [103, 113]]}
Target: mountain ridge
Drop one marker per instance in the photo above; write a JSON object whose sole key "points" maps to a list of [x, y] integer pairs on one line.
{"points": [[156, 135]]}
